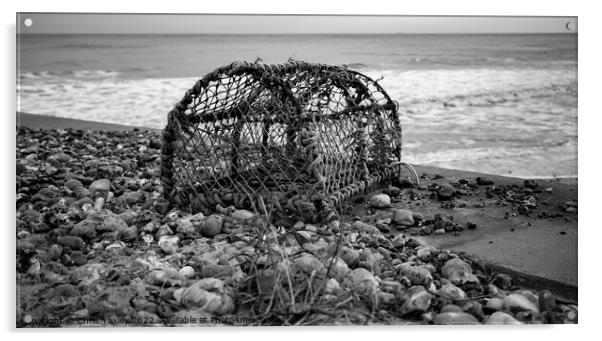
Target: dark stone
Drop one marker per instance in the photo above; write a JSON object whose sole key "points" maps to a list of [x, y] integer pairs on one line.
{"points": [[445, 192], [483, 181], [546, 301], [155, 144], [531, 184], [20, 168], [393, 191], [471, 226], [525, 210], [66, 260], [475, 309], [403, 182], [444, 222], [72, 242], [78, 258], [286, 222], [417, 217], [502, 281], [427, 230]]}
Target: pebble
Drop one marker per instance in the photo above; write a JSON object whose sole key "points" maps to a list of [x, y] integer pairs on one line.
{"points": [[418, 300], [150, 227], [155, 143], [474, 308], [502, 281], [546, 301], [403, 182], [186, 272], [458, 271], [452, 292], [185, 227], [78, 258], [424, 253], [72, 242], [362, 281], [129, 234], [310, 264], [500, 317], [383, 225], [451, 308], [445, 192], [339, 269], [418, 275], [128, 217], [455, 318], [495, 303], [439, 231], [386, 298], [209, 295], [212, 226], [418, 217], [303, 237], [100, 187], [483, 181], [163, 230], [427, 230], [402, 217], [380, 201], [55, 251], [530, 184], [366, 228], [516, 303], [98, 222], [169, 244], [393, 191], [332, 286], [131, 198], [242, 215], [349, 256], [117, 245]]}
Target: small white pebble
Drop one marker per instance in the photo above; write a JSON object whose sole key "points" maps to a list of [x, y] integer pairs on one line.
{"points": [[187, 271]]}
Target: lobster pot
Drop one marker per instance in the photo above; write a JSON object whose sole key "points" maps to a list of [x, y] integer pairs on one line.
{"points": [[295, 138]]}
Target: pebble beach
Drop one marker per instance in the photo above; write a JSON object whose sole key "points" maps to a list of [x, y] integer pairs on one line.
{"points": [[98, 245]]}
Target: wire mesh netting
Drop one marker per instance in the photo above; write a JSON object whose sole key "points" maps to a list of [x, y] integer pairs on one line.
{"points": [[295, 138]]}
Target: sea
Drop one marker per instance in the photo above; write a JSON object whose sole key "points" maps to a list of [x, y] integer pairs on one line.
{"points": [[497, 103]]}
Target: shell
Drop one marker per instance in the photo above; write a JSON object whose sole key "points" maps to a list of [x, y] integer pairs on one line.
{"points": [[169, 244], [380, 201]]}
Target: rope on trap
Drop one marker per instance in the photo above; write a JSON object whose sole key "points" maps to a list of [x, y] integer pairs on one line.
{"points": [[303, 137]]}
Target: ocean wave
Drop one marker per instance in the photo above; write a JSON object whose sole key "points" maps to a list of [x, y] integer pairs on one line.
{"points": [[502, 120], [536, 161], [65, 76], [427, 84], [97, 46], [447, 96], [356, 65]]}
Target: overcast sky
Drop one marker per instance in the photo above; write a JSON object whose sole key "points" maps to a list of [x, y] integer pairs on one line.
{"points": [[250, 24]]}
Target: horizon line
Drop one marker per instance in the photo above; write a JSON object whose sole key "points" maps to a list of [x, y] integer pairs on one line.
{"points": [[291, 33]]}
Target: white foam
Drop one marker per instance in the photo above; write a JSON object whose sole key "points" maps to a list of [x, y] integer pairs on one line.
{"points": [[519, 110], [410, 86]]}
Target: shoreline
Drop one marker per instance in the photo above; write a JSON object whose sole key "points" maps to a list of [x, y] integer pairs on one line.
{"points": [[52, 122], [36, 121]]}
